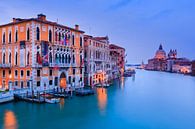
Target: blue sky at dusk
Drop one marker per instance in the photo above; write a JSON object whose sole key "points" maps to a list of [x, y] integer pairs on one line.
{"points": [[138, 25]]}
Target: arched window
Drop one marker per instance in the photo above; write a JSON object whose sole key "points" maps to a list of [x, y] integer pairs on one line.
{"points": [[66, 58], [81, 60], [81, 41], [39, 60], [69, 59], [50, 36], [50, 57], [73, 40], [60, 59], [56, 36], [38, 33], [73, 59], [16, 59], [4, 37], [10, 58], [59, 38], [28, 34], [56, 58], [10, 37], [63, 58], [3, 58], [16, 36], [28, 58]]}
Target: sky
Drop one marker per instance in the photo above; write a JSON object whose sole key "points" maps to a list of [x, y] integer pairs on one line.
{"points": [[139, 26]]}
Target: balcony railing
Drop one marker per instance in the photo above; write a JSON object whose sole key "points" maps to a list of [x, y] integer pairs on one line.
{"points": [[59, 65], [5, 65]]}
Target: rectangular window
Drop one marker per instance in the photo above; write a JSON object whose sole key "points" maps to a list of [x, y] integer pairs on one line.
{"points": [[10, 72], [38, 73], [3, 73], [50, 82], [28, 73], [81, 70], [38, 83], [50, 72], [16, 83], [73, 71], [56, 81], [69, 79], [22, 84], [28, 84]]}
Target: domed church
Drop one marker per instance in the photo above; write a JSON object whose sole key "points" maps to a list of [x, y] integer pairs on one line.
{"points": [[160, 53], [159, 61]]}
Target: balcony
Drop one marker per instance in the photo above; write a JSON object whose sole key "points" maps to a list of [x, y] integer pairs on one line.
{"points": [[59, 65], [5, 65]]}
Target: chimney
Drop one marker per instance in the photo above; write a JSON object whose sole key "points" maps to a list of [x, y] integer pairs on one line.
{"points": [[14, 20], [41, 17], [76, 27]]}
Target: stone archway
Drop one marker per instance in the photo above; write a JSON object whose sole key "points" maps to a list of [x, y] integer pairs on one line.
{"points": [[63, 80]]}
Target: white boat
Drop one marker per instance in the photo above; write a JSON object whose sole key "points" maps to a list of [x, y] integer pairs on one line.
{"points": [[103, 85], [52, 100]]}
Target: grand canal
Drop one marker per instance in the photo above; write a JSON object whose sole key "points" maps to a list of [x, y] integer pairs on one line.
{"points": [[150, 100]]}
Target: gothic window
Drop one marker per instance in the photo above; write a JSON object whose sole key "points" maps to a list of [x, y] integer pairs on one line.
{"points": [[69, 59], [73, 59], [16, 59], [16, 36], [4, 37], [10, 37], [38, 57], [59, 38], [73, 40], [56, 36], [28, 34], [50, 57], [10, 58], [50, 36], [81, 42], [62, 58], [56, 58], [38, 33], [66, 58], [28, 58], [3, 58]]}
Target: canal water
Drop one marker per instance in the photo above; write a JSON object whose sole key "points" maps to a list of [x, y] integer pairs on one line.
{"points": [[150, 100]]}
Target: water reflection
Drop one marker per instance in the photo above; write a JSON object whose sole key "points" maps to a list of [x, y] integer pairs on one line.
{"points": [[122, 80], [102, 99], [10, 121], [62, 103]]}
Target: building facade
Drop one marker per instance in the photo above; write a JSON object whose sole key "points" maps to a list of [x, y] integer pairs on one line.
{"points": [[159, 62], [193, 68], [97, 60], [117, 55], [41, 54]]}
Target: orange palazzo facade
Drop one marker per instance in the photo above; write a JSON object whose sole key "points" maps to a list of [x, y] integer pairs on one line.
{"points": [[40, 54]]}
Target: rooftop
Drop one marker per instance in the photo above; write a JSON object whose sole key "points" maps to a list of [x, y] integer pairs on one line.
{"points": [[42, 19]]}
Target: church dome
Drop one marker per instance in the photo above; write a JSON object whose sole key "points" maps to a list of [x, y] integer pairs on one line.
{"points": [[160, 53]]}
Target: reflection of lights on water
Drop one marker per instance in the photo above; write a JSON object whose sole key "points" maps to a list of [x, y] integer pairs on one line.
{"points": [[10, 121], [102, 98], [62, 103], [122, 82]]}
